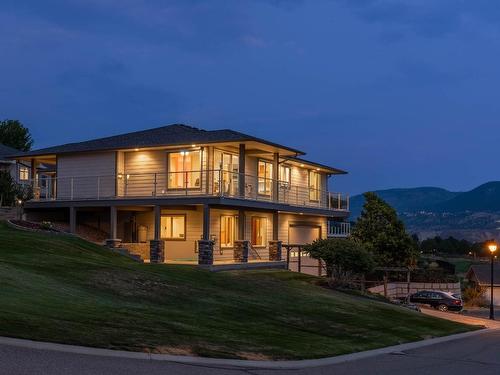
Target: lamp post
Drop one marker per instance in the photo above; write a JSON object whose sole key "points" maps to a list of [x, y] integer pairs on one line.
{"points": [[492, 247]]}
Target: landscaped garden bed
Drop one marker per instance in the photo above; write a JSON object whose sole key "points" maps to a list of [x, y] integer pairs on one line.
{"points": [[36, 227]]}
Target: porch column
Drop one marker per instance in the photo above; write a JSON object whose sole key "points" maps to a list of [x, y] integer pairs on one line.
{"points": [[113, 241], [206, 222], [276, 166], [241, 224], [156, 245], [241, 170], [206, 245], [276, 217], [72, 219]]}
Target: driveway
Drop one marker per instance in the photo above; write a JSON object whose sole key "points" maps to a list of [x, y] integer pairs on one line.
{"points": [[476, 354]]}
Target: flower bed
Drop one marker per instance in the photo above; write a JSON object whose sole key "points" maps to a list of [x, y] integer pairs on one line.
{"points": [[44, 227]]}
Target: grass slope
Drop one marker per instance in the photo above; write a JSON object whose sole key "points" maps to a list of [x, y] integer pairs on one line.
{"points": [[63, 289]]}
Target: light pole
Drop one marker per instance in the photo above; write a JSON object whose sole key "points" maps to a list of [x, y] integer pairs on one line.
{"points": [[492, 246]]}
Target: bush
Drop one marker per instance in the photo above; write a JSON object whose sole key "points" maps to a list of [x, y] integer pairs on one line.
{"points": [[46, 225], [343, 258], [474, 296]]}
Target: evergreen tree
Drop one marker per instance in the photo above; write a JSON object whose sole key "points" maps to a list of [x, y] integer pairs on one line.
{"points": [[380, 228], [14, 134]]}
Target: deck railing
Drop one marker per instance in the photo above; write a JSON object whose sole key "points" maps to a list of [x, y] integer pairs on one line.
{"points": [[339, 229], [189, 183]]}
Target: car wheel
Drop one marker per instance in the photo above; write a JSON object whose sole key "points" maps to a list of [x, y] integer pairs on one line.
{"points": [[442, 307]]}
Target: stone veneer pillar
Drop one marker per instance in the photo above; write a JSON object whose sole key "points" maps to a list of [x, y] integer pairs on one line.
{"points": [[275, 250], [157, 251], [206, 252], [240, 254]]}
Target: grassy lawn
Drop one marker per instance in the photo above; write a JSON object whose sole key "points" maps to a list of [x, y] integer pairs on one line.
{"points": [[63, 289]]}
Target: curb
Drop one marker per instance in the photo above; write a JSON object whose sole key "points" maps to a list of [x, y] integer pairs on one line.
{"points": [[237, 363]]}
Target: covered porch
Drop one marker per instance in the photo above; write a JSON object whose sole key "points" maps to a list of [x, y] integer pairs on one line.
{"points": [[198, 234]]}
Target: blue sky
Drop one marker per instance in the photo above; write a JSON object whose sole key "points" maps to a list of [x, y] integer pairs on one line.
{"points": [[399, 93]]}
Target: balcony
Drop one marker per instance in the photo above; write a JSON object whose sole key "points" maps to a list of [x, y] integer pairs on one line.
{"points": [[206, 183], [339, 229]]}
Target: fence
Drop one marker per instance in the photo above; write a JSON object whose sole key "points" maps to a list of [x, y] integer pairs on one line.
{"points": [[403, 289]]}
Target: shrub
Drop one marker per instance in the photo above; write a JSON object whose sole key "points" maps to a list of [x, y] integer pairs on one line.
{"points": [[343, 258], [46, 225], [474, 296]]}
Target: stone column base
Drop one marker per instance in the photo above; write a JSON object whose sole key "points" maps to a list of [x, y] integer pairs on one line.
{"points": [[113, 243], [275, 250], [206, 252], [241, 251], [156, 251]]}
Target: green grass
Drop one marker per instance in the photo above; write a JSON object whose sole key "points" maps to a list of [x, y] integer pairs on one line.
{"points": [[63, 289]]}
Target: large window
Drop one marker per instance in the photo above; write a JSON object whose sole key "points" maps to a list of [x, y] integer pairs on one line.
{"points": [[173, 227], [285, 176], [24, 173], [314, 186], [259, 230], [265, 177], [228, 227], [226, 167], [184, 170]]}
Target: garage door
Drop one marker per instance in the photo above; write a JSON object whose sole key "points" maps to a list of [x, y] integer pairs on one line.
{"points": [[303, 234]]}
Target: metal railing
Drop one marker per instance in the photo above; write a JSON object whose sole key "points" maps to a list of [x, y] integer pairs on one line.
{"points": [[188, 183]]}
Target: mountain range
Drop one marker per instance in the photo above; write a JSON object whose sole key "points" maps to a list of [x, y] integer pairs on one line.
{"points": [[430, 211]]}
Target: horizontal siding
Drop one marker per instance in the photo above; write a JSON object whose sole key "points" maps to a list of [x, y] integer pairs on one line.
{"points": [[177, 250], [86, 175]]}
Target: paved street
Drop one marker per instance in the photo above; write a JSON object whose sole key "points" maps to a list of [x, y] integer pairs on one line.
{"points": [[477, 354]]}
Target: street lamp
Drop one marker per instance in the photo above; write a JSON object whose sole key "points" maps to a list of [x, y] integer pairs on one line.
{"points": [[492, 247]]}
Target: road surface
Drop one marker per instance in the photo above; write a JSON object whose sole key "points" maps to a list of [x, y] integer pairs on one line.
{"points": [[477, 354]]}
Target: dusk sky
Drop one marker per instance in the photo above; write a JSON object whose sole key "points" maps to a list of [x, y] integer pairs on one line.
{"points": [[399, 93]]}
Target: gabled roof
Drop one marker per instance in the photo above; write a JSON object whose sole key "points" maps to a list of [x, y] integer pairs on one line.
{"points": [[170, 135], [482, 274], [6, 151]]}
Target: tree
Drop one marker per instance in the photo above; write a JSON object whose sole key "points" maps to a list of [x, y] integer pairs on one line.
{"points": [[380, 229], [7, 189], [14, 134], [343, 258]]}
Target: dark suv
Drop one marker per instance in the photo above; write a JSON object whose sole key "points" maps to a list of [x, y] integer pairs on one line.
{"points": [[442, 301]]}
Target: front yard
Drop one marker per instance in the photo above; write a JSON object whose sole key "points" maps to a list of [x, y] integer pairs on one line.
{"points": [[62, 289]]}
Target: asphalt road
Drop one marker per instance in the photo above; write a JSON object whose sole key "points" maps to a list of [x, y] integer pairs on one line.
{"points": [[478, 354]]}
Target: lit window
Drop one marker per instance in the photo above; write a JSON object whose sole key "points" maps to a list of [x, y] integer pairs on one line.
{"points": [[227, 169], [314, 185], [228, 225], [285, 175], [24, 174], [184, 170], [173, 227], [259, 228], [265, 177]]}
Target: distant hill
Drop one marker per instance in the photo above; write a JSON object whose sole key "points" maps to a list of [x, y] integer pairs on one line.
{"points": [[484, 198], [429, 211], [406, 200]]}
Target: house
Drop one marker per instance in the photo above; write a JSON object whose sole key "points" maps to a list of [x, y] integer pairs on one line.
{"points": [[18, 171], [186, 195], [481, 275]]}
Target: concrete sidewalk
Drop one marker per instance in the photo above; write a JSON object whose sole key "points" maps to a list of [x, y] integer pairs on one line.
{"points": [[234, 363], [460, 318]]}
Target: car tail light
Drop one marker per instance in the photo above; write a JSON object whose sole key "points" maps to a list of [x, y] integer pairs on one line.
{"points": [[457, 302]]}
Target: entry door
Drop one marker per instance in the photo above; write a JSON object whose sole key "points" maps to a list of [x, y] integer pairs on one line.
{"points": [[303, 234]]}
